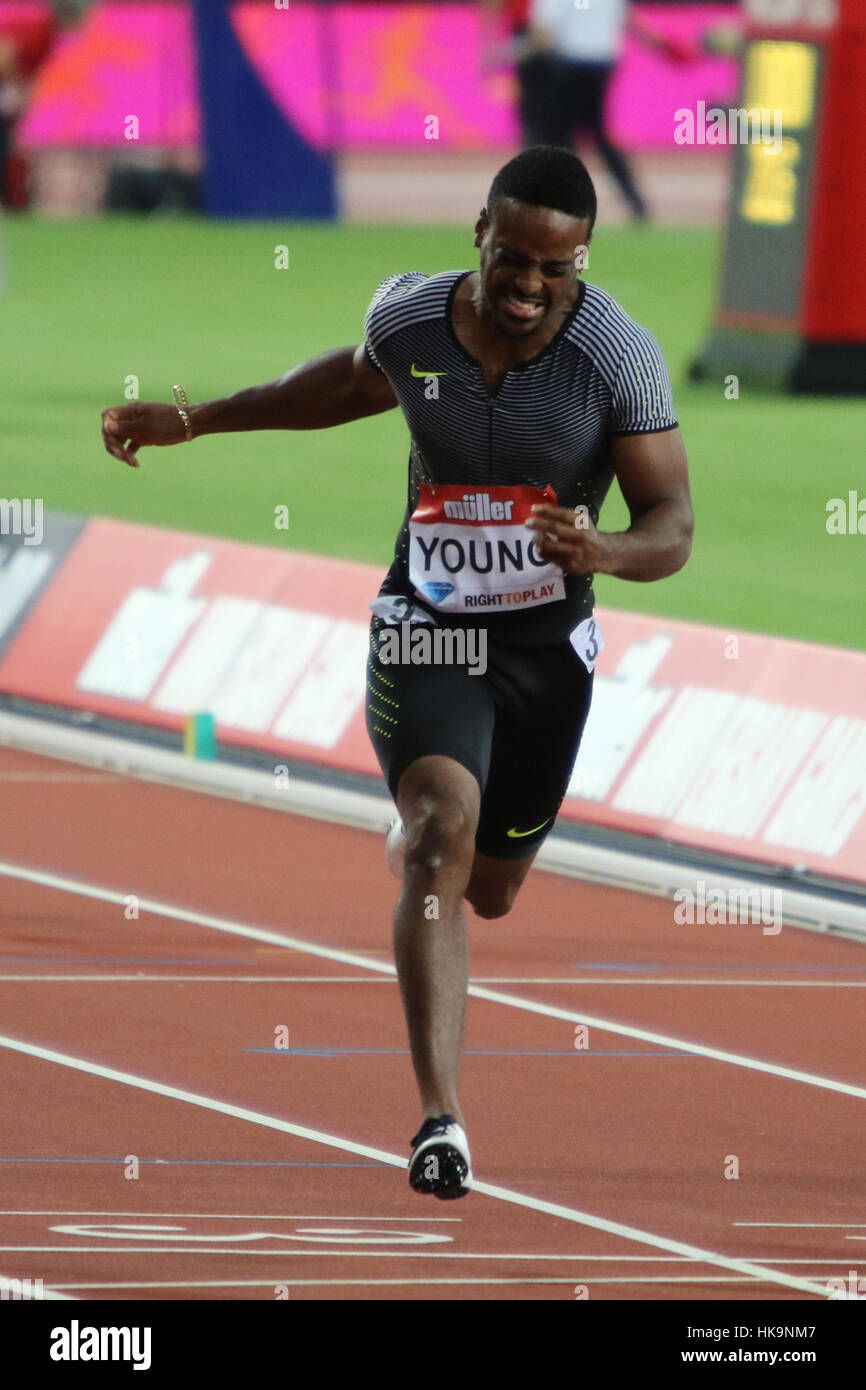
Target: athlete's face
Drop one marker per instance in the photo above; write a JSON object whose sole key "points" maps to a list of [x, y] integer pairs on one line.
{"points": [[528, 266]]}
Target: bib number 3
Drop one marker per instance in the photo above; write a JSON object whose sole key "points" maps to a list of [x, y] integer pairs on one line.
{"points": [[588, 642]]}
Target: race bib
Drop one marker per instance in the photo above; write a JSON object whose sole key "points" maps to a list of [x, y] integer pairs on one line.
{"points": [[469, 550], [588, 642], [395, 609]]}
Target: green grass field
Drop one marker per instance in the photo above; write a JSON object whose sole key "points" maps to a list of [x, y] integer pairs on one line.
{"points": [[87, 304]]}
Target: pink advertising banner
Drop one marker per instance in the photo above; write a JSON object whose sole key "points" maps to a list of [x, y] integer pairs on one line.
{"points": [[366, 76]]}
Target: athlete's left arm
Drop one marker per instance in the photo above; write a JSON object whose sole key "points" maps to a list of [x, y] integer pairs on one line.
{"points": [[653, 476]]}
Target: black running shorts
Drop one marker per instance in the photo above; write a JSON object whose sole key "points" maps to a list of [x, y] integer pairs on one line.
{"points": [[516, 728]]}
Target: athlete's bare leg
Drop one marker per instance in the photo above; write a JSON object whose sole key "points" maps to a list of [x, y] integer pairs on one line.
{"points": [[493, 884], [439, 802]]}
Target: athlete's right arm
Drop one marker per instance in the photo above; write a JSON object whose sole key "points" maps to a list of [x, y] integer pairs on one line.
{"points": [[332, 389]]}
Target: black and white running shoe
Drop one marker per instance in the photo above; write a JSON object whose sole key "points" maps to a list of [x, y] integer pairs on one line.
{"points": [[440, 1159]]}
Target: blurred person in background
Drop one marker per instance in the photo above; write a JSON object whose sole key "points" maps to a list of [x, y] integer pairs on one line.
{"points": [[10, 105], [25, 42], [566, 57], [511, 16]]}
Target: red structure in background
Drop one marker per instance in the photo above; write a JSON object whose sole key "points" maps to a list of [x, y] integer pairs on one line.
{"points": [[30, 28], [834, 304], [27, 33], [792, 302]]}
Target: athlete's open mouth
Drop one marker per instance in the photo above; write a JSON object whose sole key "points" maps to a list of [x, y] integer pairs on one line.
{"points": [[525, 309]]}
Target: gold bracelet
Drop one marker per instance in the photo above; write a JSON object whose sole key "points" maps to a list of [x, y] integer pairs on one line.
{"points": [[180, 400]]}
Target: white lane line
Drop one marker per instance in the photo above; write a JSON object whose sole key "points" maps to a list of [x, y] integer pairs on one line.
{"points": [[200, 979], [199, 919], [389, 980], [804, 1225], [391, 1283], [335, 1252], [596, 980], [501, 1194], [618, 980], [623, 1030], [353, 958], [224, 1216]]}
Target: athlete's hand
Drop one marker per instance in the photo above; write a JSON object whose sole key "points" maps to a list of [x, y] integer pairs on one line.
{"points": [[125, 428], [567, 538]]}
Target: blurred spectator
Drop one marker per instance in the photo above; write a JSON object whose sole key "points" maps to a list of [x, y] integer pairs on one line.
{"points": [[566, 56], [154, 183], [25, 42]]}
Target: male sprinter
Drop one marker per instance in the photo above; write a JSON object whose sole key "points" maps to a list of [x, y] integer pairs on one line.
{"points": [[525, 391]]}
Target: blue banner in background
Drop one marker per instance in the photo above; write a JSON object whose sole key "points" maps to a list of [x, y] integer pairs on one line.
{"points": [[256, 163]]}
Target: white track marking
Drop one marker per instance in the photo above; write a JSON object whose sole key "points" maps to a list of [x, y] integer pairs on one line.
{"points": [[595, 980], [353, 958], [804, 1225], [223, 1216], [405, 1253], [501, 1194], [665, 1040], [388, 980], [199, 979], [199, 919], [393, 1283], [619, 980], [337, 1251]]}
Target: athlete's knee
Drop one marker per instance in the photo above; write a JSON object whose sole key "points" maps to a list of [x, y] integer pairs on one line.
{"points": [[439, 833], [494, 884], [492, 901]]}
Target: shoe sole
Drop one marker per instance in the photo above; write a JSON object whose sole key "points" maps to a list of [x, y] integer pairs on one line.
{"points": [[454, 1178]]}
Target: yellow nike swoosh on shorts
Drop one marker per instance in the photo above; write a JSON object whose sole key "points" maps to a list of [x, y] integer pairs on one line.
{"points": [[413, 371], [520, 834]]}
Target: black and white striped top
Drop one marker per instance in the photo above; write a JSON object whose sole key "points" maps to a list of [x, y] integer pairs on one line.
{"points": [[550, 422]]}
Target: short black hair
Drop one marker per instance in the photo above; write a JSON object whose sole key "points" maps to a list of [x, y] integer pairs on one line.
{"points": [[546, 176]]}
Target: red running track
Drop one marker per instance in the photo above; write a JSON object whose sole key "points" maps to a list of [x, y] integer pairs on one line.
{"points": [[162, 1141]]}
